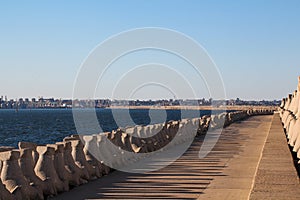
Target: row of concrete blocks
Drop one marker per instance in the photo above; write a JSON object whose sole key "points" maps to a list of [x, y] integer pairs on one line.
{"points": [[38, 171], [290, 118]]}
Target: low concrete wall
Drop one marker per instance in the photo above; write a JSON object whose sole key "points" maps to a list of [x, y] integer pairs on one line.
{"points": [[38, 171]]}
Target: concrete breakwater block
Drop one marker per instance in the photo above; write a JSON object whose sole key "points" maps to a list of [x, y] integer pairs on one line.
{"points": [[91, 147], [45, 170], [117, 137], [125, 138], [79, 158], [102, 153], [59, 165], [289, 113], [31, 145], [13, 178], [73, 170], [203, 124], [27, 165], [107, 151]]}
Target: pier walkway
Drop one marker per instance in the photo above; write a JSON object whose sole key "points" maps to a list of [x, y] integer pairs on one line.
{"points": [[276, 177], [250, 160]]}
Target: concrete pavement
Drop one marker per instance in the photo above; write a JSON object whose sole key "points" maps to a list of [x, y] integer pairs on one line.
{"points": [[276, 176]]}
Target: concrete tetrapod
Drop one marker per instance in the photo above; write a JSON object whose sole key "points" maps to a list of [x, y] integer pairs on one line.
{"points": [[13, 178], [59, 165], [70, 165], [115, 147], [295, 140], [27, 167], [31, 145], [293, 127], [103, 154], [286, 111], [4, 193], [294, 132], [79, 158], [89, 149], [135, 140], [204, 124], [45, 170], [125, 138]]}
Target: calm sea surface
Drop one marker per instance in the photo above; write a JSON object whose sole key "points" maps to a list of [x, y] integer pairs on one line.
{"points": [[44, 126]]}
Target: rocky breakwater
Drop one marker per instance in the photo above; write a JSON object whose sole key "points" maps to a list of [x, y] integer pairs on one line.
{"points": [[289, 112], [39, 171]]}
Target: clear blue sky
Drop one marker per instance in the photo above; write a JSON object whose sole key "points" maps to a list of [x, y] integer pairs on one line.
{"points": [[255, 44]]}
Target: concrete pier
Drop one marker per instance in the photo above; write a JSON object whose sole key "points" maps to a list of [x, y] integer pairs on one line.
{"points": [[251, 160]]}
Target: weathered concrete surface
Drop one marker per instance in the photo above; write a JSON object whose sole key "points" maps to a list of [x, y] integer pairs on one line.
{"points": [[226, 173], [238, 176], [276, 175]]}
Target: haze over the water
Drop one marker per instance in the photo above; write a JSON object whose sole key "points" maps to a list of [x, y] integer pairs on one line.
{"points": [[255, 44]]}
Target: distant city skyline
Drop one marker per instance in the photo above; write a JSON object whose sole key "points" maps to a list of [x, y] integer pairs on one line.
{"points": [[7, 98], [26, 103], [255, 44]]}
